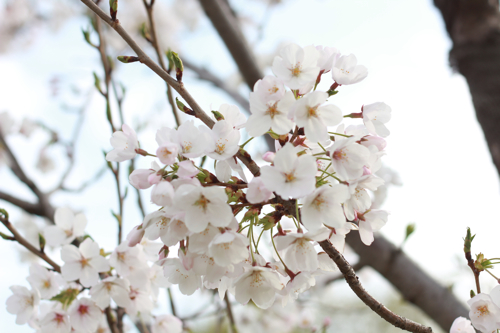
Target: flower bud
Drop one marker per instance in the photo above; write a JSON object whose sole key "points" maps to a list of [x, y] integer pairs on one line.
{"points": [[127, 59]]}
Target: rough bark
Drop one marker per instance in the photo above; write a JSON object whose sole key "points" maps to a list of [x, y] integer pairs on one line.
{"points": [[474, 28]]}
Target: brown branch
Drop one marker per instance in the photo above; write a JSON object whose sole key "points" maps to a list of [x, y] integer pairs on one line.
{"points": [[159, 55], [377, 307], [206, 75], [415, 285], [21, 240], [356, 268], [44, 207], [177, 86], [474, 28], [229, 30], [229, 310], [111, 320]]}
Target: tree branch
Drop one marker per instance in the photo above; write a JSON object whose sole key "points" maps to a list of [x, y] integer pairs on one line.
{"points": [[44, 207], [229, 30], [205, 74], [415, 285], [21, 240], [377, 307], [474, 28]]}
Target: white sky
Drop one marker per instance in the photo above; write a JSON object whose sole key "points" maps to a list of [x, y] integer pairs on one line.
{"points": [[436, 144]]}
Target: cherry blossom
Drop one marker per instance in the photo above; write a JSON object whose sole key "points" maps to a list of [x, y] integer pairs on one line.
{"points": [[484, 313], [462, 325], [167, 324], [375, 116], [259, 284], [292, 175], [270, 115], [233, 116], [298, 249], [370, 221], [84, 315], [323, 206], [223, 169], [144, 178], [225, 139], [203, 205], [346, 70], [297, 66], [130, 263], [308, 112], [359, 199], [56, 321], [45, 281], [228, 248], [348, 158], [67, 227], [270, 88], [162, 194], [23, 303], [83, 263], [124, 144], [111, 287], [139, 301], [175, 272], [327, 55], [167, 153], [257, 192]]}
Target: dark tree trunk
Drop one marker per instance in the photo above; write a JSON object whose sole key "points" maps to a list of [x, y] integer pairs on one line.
{"points": [[474, 28]]}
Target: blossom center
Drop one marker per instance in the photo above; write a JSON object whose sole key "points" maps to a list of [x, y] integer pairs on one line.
{"points": [[83, 309], [318, 202], [84, 262], [296, 69], [162, 222], [273, 90], [59, 318], [187, 146], [483, 310], [202, 202], [312, 111], [272, 110], [257, 280], [46, 284], [165, 152], [339, 154], [289, 177], [220, 146]]}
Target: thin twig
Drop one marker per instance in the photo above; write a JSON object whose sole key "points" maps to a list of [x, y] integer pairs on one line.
{"points": [[177, 86], [159, 55], [230, 314], [21, 240], [44, 206], [377, 307]]}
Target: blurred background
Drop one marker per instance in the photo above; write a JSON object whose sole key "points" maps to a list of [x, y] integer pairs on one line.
{"points": [[440, 173]]}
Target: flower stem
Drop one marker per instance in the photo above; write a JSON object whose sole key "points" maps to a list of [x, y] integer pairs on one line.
{"points": [[274, 245], [244, 143], [344, 135]]}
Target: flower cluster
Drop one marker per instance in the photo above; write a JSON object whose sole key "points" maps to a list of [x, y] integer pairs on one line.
{"points": [[318, 179]]}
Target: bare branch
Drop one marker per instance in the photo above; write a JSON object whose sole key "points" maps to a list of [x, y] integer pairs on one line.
{"points": [[21, 240], [205, 74], [415, 285], [28, 207], [44, 206], [377, 307], [159, 55], [229, 30]]}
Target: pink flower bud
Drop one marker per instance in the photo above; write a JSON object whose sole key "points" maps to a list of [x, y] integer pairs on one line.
{"points": [[154, 178], [366, 171], [269, 156], [134, 237]]}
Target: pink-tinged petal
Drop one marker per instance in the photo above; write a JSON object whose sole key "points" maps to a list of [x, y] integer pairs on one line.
{"points": [[100, 263], [365, 232], [70, 253], [54, 235], [71, 271], [79, 225], [89, 248], [64, 218]]}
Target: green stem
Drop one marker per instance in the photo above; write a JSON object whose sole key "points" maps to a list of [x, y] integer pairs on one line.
{"points": [[245, 143], [274, 245], [344, 135], [321, 146]]}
